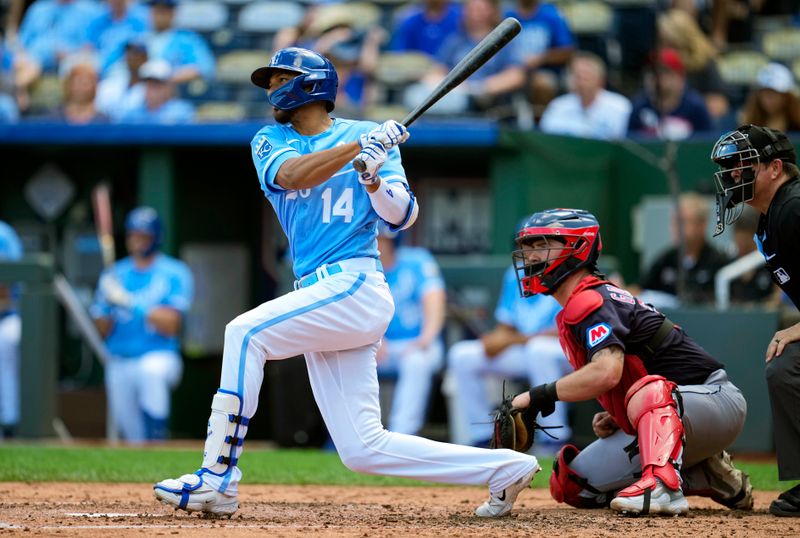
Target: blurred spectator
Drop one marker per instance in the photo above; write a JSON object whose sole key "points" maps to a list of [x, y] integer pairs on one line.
{"points": [[53, 29], [490, 85], [668, 107], [79, 77], [425, 27], [523, 344], [9, 112], [139, 308], [123, 90], [412, 346], [117, 22], [773, 103], [353, 50], [701, 260], [11, 16], [159, 105], [544, 47], [185, 50], [756, 286], [10, 332], [589, 110], [679, 30]]}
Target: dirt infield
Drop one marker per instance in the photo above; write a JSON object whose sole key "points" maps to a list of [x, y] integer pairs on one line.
{"points": [[115, 510]]}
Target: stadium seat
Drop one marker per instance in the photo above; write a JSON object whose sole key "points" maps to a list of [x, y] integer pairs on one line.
{"points": [[46, 94], [235, 67], [269, 17], [201, 15], [381, 113], [220, 112], [357, 15], [588, 17], [739, 68], [782, 45], [400, 68]]}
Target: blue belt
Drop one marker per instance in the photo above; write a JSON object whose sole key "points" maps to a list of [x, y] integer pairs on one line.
{"points": [[352, 265]]}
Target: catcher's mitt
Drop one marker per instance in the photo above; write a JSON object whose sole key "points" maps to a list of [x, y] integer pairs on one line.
{"points": [[513, 428]]}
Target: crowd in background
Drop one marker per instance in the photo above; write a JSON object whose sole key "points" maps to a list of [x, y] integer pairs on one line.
{"points": [[579, 67]]}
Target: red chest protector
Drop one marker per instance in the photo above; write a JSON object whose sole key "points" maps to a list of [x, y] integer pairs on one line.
{"points": [[583, 301]]}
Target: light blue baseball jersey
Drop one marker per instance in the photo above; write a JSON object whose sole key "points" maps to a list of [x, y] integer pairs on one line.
{"points": [[166, 282], [333, 221], [10, 249], [529, 315], [414, 274]]}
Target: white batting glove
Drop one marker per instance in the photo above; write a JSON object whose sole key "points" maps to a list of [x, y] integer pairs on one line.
{"points": [[115, 293], [373, 155], [389, 134]]}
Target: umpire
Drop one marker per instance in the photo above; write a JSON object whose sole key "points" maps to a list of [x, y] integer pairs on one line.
{"points": [[757, 166]]}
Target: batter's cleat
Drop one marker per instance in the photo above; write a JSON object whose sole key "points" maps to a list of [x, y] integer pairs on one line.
{"points": [[500, 504], [190, 493], [656, 500]]}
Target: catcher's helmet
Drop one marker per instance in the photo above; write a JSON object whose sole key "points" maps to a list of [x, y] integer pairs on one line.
{"points": [[316, 81], [574, 235], [145, 220], [737, 153]]}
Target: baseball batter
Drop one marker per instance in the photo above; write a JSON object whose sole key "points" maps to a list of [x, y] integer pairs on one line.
{"points": [[670, 410], [10, 332], [341, 305], [139, 308]]}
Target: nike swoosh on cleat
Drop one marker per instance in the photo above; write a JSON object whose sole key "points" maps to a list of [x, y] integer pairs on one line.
{"points": [[502, 496]]}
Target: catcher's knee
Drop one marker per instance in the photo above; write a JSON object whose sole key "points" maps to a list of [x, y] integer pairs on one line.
{"points": [[649, 393], [567, 486]]}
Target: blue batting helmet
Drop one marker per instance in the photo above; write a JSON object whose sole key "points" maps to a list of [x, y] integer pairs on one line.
{"points": [[145, 220], [316, 81]]}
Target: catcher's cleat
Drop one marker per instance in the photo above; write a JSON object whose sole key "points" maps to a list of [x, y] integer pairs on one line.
{"points": [[658, 499], [733, 478], [190, 493], [501, 503]]}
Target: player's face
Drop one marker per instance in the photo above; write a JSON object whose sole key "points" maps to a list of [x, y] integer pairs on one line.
{"points": [[138, 243], [278, 79], [541, 250]]}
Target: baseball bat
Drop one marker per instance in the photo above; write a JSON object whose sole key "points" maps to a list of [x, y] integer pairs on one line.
{"points": [[101, 205], [483, 51]]}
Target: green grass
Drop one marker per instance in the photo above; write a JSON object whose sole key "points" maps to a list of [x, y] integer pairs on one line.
{"points": [[38, 463]]}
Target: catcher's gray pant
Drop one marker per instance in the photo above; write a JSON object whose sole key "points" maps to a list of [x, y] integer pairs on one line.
{"points": [[713, 416], [783, 381]]}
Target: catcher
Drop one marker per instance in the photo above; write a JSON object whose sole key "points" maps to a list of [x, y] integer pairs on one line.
{"points": [[670, 410]]}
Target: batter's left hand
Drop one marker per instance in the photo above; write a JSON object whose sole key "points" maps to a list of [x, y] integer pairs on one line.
{"points": [[373, 155], [781, 340]]}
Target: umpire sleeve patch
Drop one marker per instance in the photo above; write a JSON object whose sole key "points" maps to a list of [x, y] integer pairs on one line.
{"points": [[597, 333], [264, 147]]}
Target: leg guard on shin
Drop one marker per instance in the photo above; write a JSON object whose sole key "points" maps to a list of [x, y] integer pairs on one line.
{"points": [[652, 410], [566, 485], [226, 431]]}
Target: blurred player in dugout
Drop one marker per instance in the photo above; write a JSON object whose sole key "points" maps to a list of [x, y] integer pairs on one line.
{"points": [[411, 348], [10, 332], [139, 307]]}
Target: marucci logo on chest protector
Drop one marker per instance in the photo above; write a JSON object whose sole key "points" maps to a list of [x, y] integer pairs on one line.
{"points": [[782, 276], [597, 333]]}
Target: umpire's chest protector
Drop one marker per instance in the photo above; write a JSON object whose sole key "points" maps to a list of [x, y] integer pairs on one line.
{"points": [[583, 301]]}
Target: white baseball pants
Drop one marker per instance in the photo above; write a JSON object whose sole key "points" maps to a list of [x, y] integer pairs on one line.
{"points": [[337, 323]]}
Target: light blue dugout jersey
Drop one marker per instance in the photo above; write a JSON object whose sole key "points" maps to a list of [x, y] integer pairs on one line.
{"points": [[414, 274], [166, 282], [529, 315], [333, 221], [10, 250]]}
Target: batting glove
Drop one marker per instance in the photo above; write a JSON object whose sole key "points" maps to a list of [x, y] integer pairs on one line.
{"points": [[373, 156], [115, 293], [389, 134]]}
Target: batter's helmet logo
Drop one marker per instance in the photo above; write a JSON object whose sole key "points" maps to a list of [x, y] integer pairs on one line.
{"points": [[597, 333]]}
